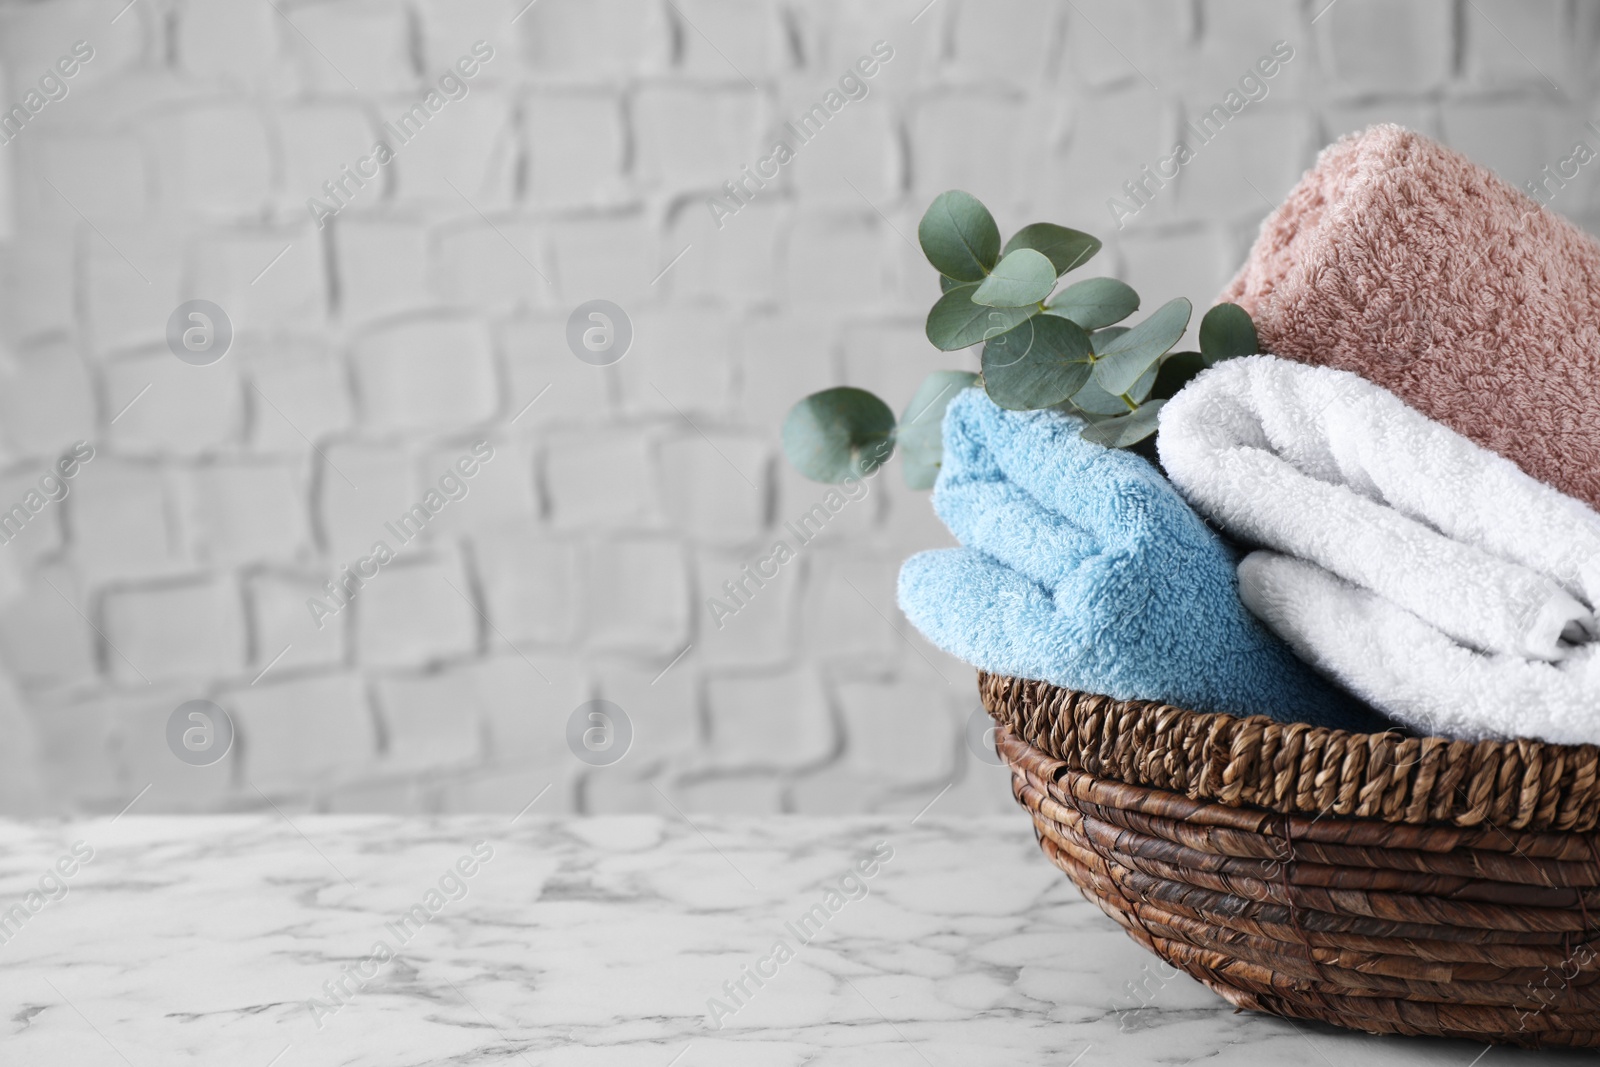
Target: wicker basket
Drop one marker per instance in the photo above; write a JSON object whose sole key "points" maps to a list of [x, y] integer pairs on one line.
{"points": [[1388, 884]]}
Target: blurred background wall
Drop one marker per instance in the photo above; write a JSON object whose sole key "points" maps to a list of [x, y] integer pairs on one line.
{"points": [[374, 344]]}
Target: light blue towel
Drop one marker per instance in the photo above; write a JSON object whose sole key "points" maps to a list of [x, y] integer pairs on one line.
{"points": [[1084, 567]]}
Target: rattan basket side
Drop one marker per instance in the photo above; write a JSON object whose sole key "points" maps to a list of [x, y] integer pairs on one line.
{"points": [[1512, 785], [1375, 882]]}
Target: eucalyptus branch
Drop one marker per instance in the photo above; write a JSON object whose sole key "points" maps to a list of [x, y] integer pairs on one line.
{"points": [[1042, 348]]}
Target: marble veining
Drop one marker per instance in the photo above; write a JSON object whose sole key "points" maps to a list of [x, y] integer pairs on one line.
{"points": [[254, 941]]}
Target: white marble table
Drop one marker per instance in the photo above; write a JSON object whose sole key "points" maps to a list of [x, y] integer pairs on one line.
{"points": [[217, 940]]}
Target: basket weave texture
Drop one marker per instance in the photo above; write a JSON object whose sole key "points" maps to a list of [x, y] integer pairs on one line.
{"points": [[1388, 884]]}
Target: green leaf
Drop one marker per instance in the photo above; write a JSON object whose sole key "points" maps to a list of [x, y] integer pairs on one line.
{"points": [[1065, 248], [959, 237], [1093, 400], [1226, 332], [1023, 277], [1106, 404], [919, 438], [1126, 358], [947, 284], [1101, 339], [1095, 302], [1038, 364], [1127, 429], [1139, 391], [955, 322], [838, 433], [1176, 371]]}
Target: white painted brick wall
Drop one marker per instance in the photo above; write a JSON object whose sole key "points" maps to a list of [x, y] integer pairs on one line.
{"points": [[299, 734], [430, 375], [284, 635], [175, 631], [638, 597], [416, 611], [431, 310]]}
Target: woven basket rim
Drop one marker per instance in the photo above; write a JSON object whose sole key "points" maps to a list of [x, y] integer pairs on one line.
{"points": [[1299, 769]]}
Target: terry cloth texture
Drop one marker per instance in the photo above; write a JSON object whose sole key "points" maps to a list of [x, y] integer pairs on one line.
{"points": [[1425, 573], [1083, 567], [1404, 262]]}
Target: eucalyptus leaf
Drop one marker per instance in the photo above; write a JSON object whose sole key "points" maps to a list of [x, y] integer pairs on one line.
{"points": [[1039, 364], [1021, 278], [1066, 248], [921, 443], [1093, 400], [1126, 358], [947, 284], [1226, 331], [1101, 339], [1095, 302], [959, 236], [838, 433], [1176, 371], [1139, 391], [1148, 450], [955, 322], [1127, 429]]}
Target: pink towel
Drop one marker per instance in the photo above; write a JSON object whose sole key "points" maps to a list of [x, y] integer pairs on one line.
{"points": [[1404, 262]]}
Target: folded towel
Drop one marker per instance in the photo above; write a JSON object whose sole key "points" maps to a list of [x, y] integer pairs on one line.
{"points": [[1398, 526], [1406, 263], [1083, 567], [1412, 670]]}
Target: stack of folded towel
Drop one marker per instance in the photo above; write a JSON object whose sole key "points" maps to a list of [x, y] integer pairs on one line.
{"points": [[1408, 264], [1430, 550], [1428, 575]]}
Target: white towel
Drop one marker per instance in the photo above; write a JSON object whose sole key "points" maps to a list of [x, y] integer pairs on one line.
{"points": [[1417, 675], [1428, 575]]}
